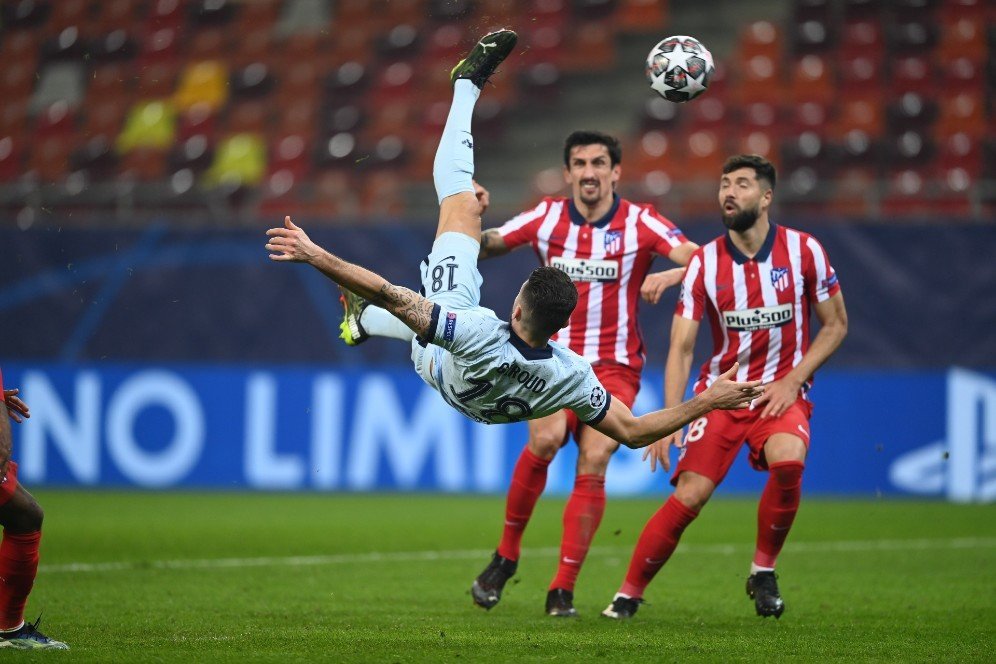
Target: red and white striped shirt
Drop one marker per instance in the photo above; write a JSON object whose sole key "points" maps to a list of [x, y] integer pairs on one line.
{"points": [[607, 260], [758, 307]]}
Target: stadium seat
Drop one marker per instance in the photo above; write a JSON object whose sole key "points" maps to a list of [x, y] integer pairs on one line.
{"points": [[336, 151], [806, 150], [145, 164], [496, 13], [165, 14], [594, 10], [912, 37], [11, 158], [913, 73], [911, 111], [198, 120], [759, 80], [653, 151], [591, 48], [13, 117], [17, 80], [348, 81], [114, 15], [641, 15], [858, 150], [762, 116], [856, 192], [195, 153], [759, 142], [56, 120], [252, 81], [959, 150], [859, 74], [704, 155], [710, 113], [861, 114], [67, 45], [355, 42], [212, 12], [393, 82], [95, 157], [209, 44], [658, 113], [48, 159], [103, 116], [811, 36], [445, 42], [66, 14], [149, 124], [256, 15], [962, 38], [247, 116], [336, 197], [761, 38], [24, 14], [114, 46], [238, 160], [541, 82], [862, 35], [202, 82], [400, 42], [61, 81], [299, 116], [910, 149], [158, 46], [905, 195], [963, 75], [413, 11], [963, 112], [811, 80], [289, 152]]}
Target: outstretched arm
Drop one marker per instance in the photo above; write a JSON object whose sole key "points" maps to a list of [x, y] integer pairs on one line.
{"points": [[620, 423], [291, 243]]}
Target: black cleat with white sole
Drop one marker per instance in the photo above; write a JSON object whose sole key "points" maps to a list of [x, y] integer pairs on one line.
{"points": [[622, 607], [487, 587], [484, 58], [762, 587], [560, 603]]}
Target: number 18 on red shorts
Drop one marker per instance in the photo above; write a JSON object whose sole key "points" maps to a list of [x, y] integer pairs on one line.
{"points": [[713, 441]]}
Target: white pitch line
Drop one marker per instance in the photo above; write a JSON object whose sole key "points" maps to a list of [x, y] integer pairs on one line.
{"points": [[852, 546]]}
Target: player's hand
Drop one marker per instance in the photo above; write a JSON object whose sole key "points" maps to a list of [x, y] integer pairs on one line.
{"points": [[483, 197], [778, 396], [659, 452], [17, 409], [725, 394], [290, 243], [655, 284]]}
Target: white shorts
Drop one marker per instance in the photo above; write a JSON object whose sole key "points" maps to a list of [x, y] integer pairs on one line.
{"points": [[449, 277]]}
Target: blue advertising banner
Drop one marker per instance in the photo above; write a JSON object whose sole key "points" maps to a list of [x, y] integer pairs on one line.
{"points": [[290, 428]]}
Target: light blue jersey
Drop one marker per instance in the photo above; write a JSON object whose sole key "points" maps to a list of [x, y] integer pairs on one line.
{"points": [[477, 362]]}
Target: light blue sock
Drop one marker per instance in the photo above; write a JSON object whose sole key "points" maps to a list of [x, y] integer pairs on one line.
{"points": [[379, 322], [453, 169]]}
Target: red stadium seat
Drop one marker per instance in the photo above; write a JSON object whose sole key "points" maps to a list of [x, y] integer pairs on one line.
{"points": [[257, 15], [11, 158], [859, 74], [862, 35], [104, 116], [913, 73], [165, 14], [963, 38], [964, 75], [247, 117], [812, 80], [143, 164], [383, 196], [760, 80], [960, 151], [198, 120], [13, 117], [709, 113], [210, 44], [761, 38], [591, 48], [641, 15], [861, 114], [159, 45], [56, 120], [69, 13], [654, 151], [290, 152], [17, 80], [49, 159], [963, 112], [413, 11], [394, 81]]}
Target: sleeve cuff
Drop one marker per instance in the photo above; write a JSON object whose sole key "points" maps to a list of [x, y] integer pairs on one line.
{"points": [[430, 334], [602, 413]]}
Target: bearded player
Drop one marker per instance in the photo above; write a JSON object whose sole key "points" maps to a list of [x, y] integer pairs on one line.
{"points": [[757, 283]]}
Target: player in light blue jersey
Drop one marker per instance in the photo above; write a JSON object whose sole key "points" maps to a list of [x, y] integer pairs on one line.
{"points": [[492, 371]]}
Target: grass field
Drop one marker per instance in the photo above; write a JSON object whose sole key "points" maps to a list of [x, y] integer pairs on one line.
{"points": [[138, 577]]}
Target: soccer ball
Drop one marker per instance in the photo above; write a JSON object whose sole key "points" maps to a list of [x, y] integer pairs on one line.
{"points": [[679, 68]]}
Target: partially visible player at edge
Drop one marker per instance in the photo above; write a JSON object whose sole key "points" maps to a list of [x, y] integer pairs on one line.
{"points": [[757, 284], [21, 518], [606, 245], [492, 371]]}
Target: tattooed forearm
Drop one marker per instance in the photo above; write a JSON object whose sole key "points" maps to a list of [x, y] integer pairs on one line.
{"points": [[492, 244], [411, 308]]}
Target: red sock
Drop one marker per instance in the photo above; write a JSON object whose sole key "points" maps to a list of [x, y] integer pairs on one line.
{"points": [[656, 544], [776, 511], [18, 565], [582, 515], [528, 482]]}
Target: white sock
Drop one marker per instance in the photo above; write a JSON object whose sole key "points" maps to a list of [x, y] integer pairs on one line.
{"points": [[755, 568], [379, 322], [453, 168]]}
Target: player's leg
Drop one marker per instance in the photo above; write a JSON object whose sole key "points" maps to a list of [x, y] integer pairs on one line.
{"points": [[582, 517], [784, 456], [546, 436], [361, 320], [21, 518], [453, 168], [711, 445]]}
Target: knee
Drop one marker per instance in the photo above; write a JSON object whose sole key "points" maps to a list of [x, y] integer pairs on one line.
{"points": [[26, 518], [546, 443], [787, 474], [594, 460], [691, 495]]}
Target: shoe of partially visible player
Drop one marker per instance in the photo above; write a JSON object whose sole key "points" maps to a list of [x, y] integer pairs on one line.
{"points": [[29, 638], [622, 607], [762, 587], [352, 308], [488, 585], [485, 57], [560, 603]]}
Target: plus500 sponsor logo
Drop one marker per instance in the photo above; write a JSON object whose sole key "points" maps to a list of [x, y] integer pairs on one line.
{"points": [[587, 270], [762, 318]]}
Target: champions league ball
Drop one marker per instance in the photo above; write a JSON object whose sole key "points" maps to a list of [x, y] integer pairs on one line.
{"points": [[679, 68]]}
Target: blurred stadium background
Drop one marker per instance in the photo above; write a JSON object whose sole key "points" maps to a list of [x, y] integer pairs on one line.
{"points": [[144, 145]]}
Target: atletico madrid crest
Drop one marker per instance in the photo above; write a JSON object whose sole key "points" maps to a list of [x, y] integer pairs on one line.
{"points": [[613, 241], [780, 278]]}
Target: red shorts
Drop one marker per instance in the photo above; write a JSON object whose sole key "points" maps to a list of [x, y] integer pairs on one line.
{"points": [[8, 484], [713, 441], [621, 381]]}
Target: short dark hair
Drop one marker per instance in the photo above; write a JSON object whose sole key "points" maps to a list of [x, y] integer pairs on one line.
{"points": [[763, 169], [549, 298], [593, 138]]}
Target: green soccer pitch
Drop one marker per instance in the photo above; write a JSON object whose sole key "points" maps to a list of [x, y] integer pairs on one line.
{"points": [[208, 577]]}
